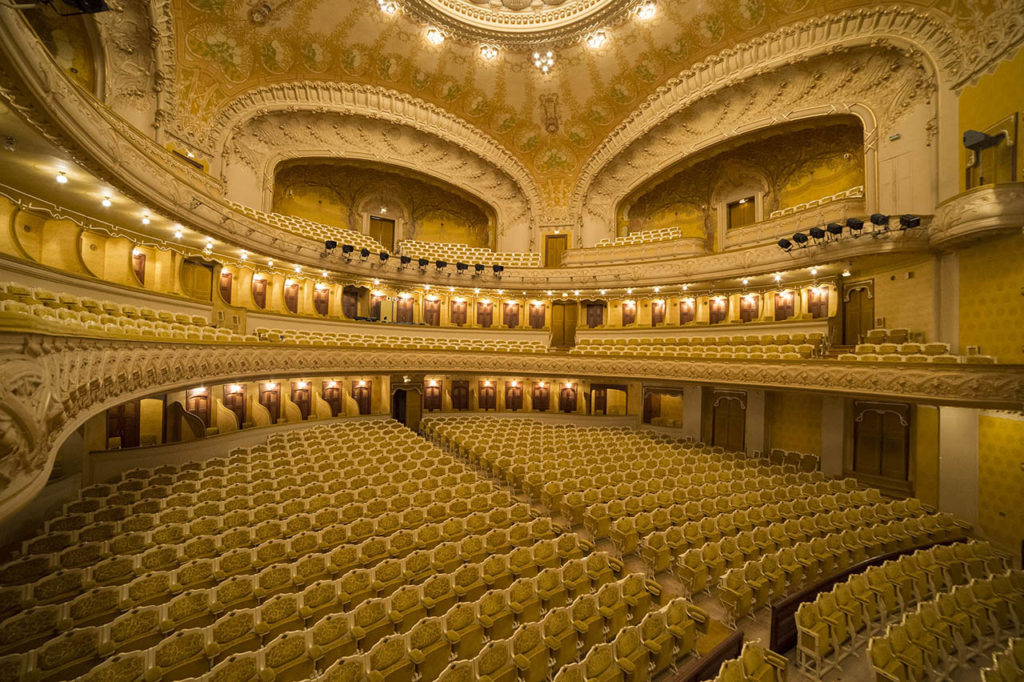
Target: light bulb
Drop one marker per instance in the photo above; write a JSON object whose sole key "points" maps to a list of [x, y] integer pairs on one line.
{"points": [[62, 178], [106, 202], [434, 36], [646, 10], [488, 52], [596, 40], [145, 219]]}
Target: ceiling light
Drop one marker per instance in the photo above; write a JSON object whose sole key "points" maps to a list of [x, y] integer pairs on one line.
{"points": [[629, 291], [576, 293], [178, 232], [501, 292], [383, 209], [778, 277], [388, 6], [846, 273], [297, 268], [145, 219], [434, 36], [544, 61], [488, 52], [270, 263], [323, 273], [244, 255], [814, 271], [746, 281], [550, 292], [686, 287], [657, 289], [106, 202], [604, 291], [62, 178], [596, 40], [647, 10]]}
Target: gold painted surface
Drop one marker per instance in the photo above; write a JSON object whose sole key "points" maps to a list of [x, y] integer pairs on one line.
{"points": [[1001, 479], [335, 193], [221, 54], [991, 306], [67, 39], [794, 422]]}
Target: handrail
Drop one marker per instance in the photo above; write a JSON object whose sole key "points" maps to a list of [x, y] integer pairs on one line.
{"points": [[783, 624]]}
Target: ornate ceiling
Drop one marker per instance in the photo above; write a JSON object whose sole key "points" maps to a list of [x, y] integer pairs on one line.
{"points": [[552, 123]]}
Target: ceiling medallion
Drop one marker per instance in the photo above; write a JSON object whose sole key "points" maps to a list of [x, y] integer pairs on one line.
{"points": [[522, 24]]}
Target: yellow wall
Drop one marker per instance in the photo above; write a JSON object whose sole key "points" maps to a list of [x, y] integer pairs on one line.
{"points": [[992, 98], [1000, 478], [905, 302], [151, 421], [794, 422], [926, 454], [991, 305]]}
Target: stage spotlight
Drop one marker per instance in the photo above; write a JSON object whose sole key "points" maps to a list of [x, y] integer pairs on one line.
{"points": [[855, 225], [498, 269], [479, 268], [423, 262], [405, 260], [880, 220], [909, 221], [461, 267], [800, 238], [330, 245], [365, 253], [384, 255], [441, 265], [786, 245], [834, 229], [347, 249], [817, 233]]}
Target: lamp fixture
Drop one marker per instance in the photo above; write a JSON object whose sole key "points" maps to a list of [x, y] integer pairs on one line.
{"points": [[647, 10], [297, 268], [544, 61], [596, 40], [178, 232], [244, 255], [488, 52], [62, 178], [270, 263], [434, 36], [106, 203], [145, 219], [388, 6]]}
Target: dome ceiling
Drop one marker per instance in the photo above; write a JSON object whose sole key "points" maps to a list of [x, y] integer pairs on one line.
{"points": [[551, 123]]}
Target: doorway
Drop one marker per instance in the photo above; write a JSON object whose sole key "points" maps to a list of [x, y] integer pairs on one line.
{"points": [[563, 323], [407, 407], [554, 246], [729, 421], [858, 314], [123, 422], [487, 396], [198, 403], [234, 400], [332, 396], [361, 395], [398, 405], [383, 230], [301, 397], [270, 398]]}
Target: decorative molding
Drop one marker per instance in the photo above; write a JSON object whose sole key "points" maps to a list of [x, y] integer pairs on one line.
{"points": [[50, 385], [989, 208], [957, 56]]}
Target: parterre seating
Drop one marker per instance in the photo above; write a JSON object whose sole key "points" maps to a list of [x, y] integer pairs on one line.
{"points": [[311, 229], [1007, 664], [470, 255], [755, 664], [748, 347], [662, 234]]}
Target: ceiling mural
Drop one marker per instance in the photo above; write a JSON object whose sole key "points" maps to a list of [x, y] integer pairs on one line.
{"points": [[551, 123]]}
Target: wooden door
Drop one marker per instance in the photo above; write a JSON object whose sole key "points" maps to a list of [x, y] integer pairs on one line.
{"points": [[383, 230], [460, 395], [123, 422], [321, 300], [350, 302], [563, 323], [432, 398], [398, 406], [458, 312], [687, 311], [139, 266], [541, 398], [749, 307], [291, 296], [270, 398], [718, 309], [259, 292], [538, 314], [657, 313], [432, 313], [234, 400], [513, 397], [226, 279], [301, 396], [487, 397], [783, 305], [405, 310], [332, 396], [375, 303], [729, 421], [362, 397], [511, 315], [817, 302], [652, 407], [628, 313], [599, 401], [881, 440], [567, 399], [595, 315], [554, 246], [858, 315], [198, 403], [485, 313]]}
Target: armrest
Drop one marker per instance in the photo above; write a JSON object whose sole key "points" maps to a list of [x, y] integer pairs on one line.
{"points": [[653, 587], [626, 665], [415, 655], [522, 662]]}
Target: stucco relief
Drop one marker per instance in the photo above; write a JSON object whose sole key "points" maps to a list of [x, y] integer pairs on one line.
{"points": [[261, 143], [50, 385], [878, 80]]}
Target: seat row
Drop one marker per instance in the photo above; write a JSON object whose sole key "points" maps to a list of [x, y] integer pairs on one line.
{"points": [[470, 255], [382, 341], [1007, 665], [660, 234], [852, 193], [837, 622], [796, 338], [310, 229], [745, 352], [754, 664], [945, 633]]}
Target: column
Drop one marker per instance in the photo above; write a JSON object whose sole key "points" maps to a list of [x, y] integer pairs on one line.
{"points": [[754, 437], [958, 462], [833, 431], [692, 411]]}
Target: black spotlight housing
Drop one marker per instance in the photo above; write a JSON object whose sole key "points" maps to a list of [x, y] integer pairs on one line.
{"points": [[423, 262], [461, 267], [817, 233], [441, 265], [855, 224], [347, 249], [880, 220], [786, 245], [384, 255], [405, 260], [908, 222], [479, 268], [498, 269], [800, 238], [834, 229], [330, 245]]}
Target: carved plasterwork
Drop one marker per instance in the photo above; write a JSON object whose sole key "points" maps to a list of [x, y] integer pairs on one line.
{"points": [[987, 208], [876, 84], [51, 385], [263, 142]]}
